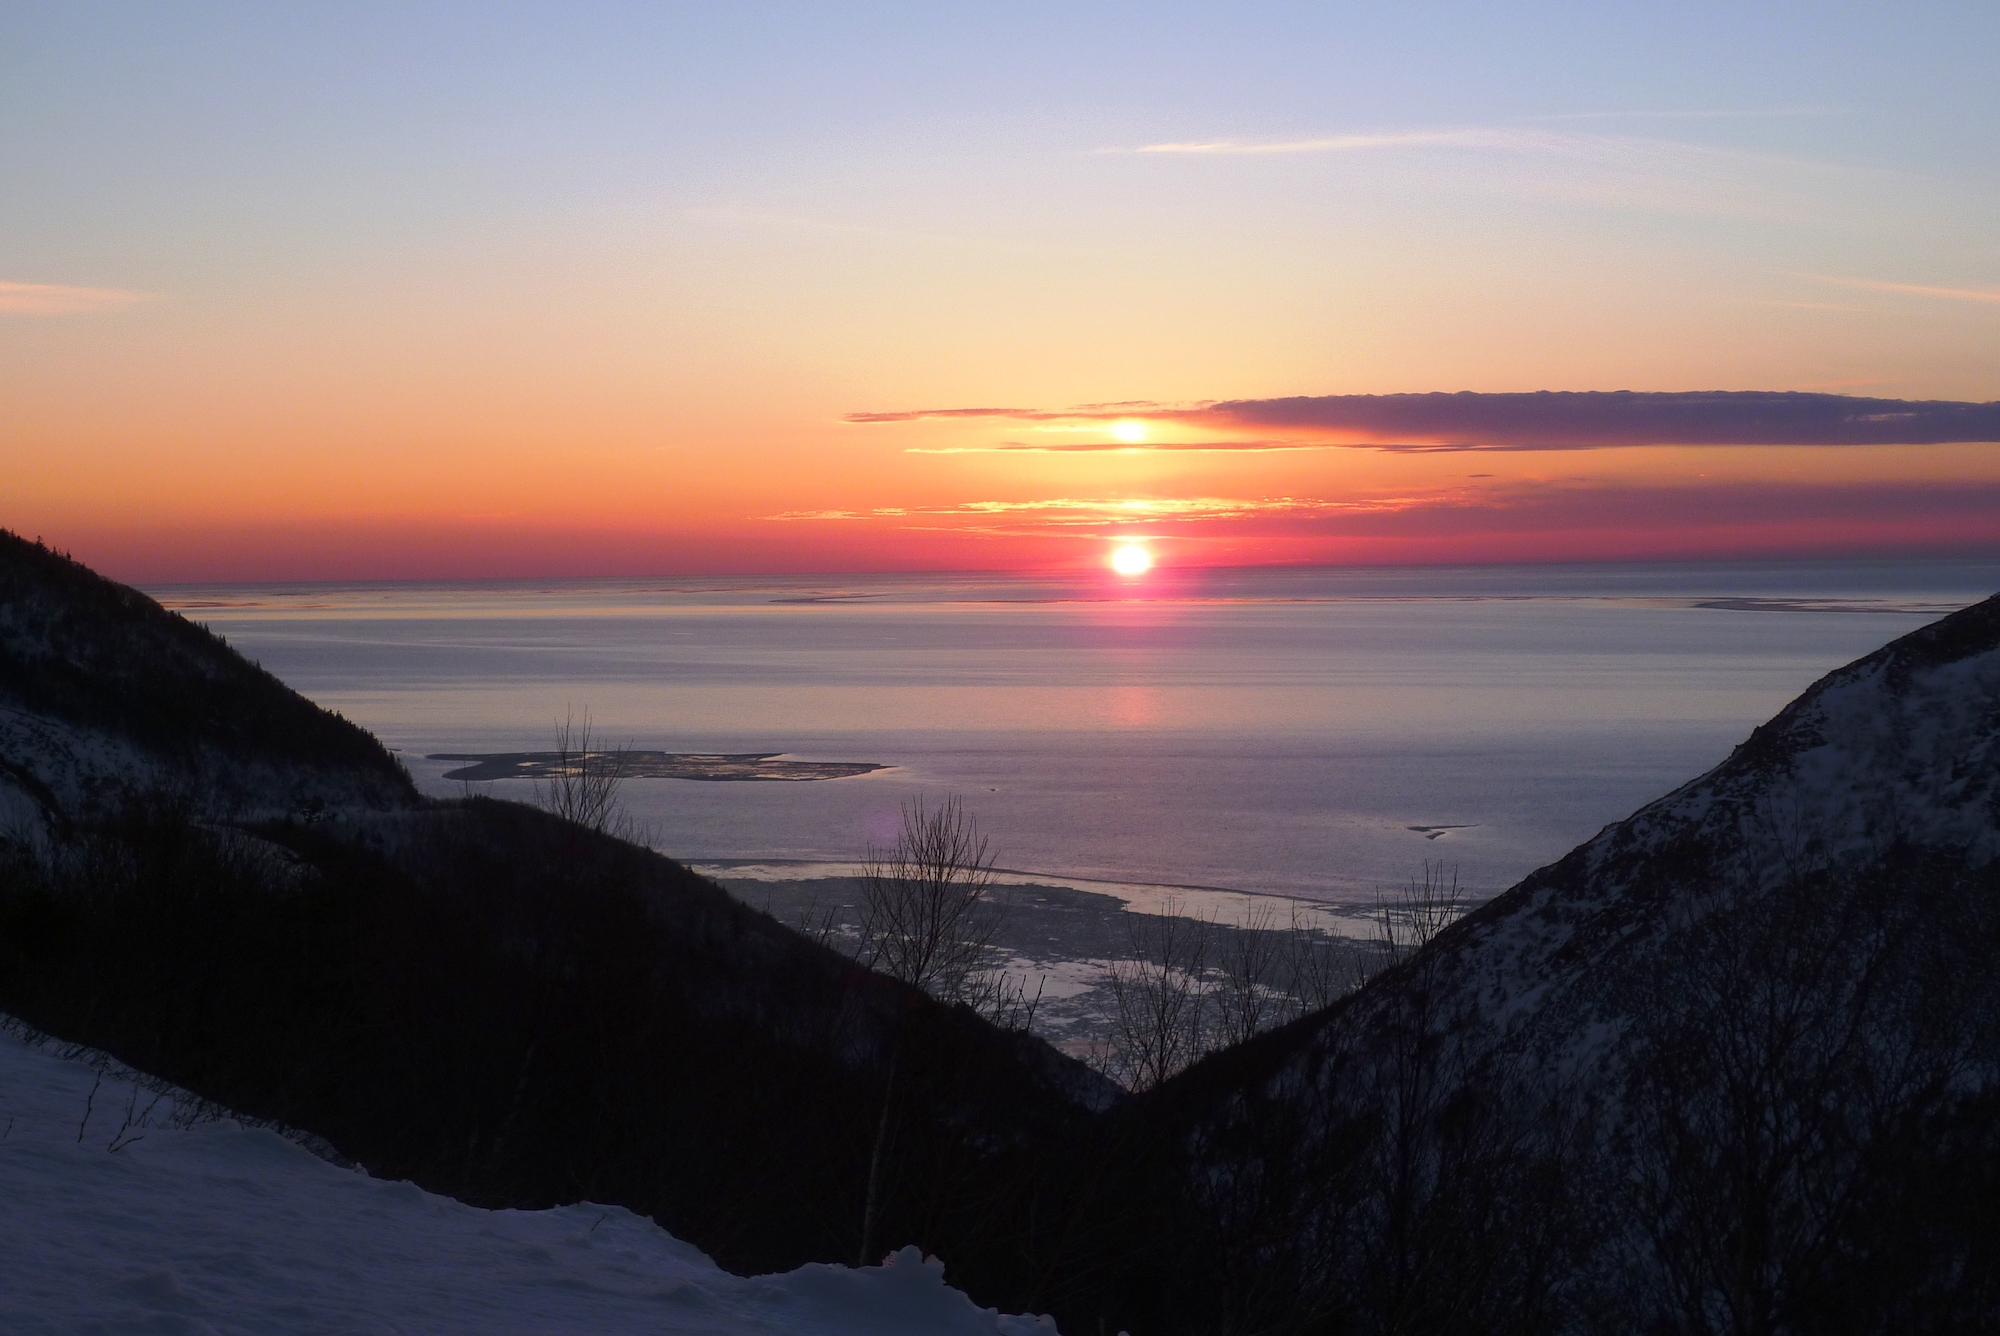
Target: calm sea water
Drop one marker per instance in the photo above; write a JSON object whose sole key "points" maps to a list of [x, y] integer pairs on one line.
{"points": [[1309, 733]]}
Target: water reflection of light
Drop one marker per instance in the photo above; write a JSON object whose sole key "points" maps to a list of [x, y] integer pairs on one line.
{"points": [[1135, 706]]}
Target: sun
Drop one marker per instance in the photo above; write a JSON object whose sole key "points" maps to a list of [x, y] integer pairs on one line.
{"points": [[1131, 559], [1131, 431]]}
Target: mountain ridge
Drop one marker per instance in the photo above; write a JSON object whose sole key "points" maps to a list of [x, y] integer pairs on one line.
{"points": [[230, 888], [101, 687], [1773, 987], [1732, 1064]]}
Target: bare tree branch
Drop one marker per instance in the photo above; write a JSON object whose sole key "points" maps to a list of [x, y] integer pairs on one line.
{"points": [[587, 777], [1160, 998], [925, 915]]}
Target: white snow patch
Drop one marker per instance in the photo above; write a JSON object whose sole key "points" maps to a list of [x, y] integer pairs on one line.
{"points": [[221, 1228]]}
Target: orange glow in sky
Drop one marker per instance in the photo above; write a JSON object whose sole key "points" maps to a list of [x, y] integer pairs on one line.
{"points": [[553, 299]]}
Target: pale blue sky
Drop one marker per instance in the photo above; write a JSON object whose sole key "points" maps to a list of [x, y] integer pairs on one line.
{"points": [[129, 130]]}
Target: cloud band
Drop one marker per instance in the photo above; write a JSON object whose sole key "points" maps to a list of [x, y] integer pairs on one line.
{"points": [[1546, 420], [58, 299]]}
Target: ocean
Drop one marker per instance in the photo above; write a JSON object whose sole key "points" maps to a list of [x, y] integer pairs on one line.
{"points": [[1311, 733]]}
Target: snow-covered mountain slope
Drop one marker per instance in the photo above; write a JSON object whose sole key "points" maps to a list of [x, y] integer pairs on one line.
{"points": [[1732, 1064], [1897, 753], [1898, 750], [212, 878], [104, 692], [221, 1228]]}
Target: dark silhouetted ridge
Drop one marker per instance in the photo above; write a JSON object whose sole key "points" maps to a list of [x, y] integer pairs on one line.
{"points": [[86, 651]]}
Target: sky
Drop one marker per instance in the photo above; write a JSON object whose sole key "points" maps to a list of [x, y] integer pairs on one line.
{"points": [[363, 291]]}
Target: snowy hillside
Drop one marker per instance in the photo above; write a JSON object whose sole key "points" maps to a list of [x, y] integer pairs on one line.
{"points": [[104, 693], [1733, 1064], [222, 1228], [1895, 755], [1901, 749], [216, 880]]}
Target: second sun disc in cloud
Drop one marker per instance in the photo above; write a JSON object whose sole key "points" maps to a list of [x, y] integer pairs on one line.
{"points": [[1131, 559]]}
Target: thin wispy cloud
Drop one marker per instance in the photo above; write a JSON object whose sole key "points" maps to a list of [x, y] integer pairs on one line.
{"points": [[879, 512], [1123, 447], [1910, 289], [1025, 414], [1230, 447], [1066, 512], [1746, 506], [1512, 139], [1592, 168], [1541, 420], [1847, 307], [1704, 114], [1355, 143], [1943, 511], [1606, 149], [60, 299]]}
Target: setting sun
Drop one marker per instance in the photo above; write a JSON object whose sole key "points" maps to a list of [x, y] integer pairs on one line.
{"points": [[1131, 560], [512, 430]]}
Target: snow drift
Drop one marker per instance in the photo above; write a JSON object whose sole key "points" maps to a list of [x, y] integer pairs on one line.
{"points": [[118, 1220]]}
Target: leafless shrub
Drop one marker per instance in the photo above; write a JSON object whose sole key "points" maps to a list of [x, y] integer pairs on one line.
{"points": [[1160, 998], [584, 788], [136, 1120], [1007, 1002], [1796, 1047], [1246, 993], [926, 918], [925, 913], [1406, 921], [818, 922], [89, 1105], [1318, 969], [1193, 985], [184, 1109]]}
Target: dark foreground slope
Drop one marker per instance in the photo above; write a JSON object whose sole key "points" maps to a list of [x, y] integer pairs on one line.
{"points": [[1729, 1066], [478, 996]]}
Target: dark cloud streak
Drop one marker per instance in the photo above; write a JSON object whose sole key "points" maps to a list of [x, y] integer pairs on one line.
{"points": [[1541, 420], [1559, 420]]}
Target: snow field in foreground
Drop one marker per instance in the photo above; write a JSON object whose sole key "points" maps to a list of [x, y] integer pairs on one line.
{"points": [[221, 1228]]}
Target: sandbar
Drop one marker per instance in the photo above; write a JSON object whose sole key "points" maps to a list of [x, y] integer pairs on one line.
{"points": [[719, 766]]}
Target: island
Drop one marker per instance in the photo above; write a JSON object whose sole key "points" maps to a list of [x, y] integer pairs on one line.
{"points": [[653, 765]]}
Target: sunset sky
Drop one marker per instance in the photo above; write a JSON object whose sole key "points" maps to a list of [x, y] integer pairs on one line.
{"points": [[386, 291]]}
